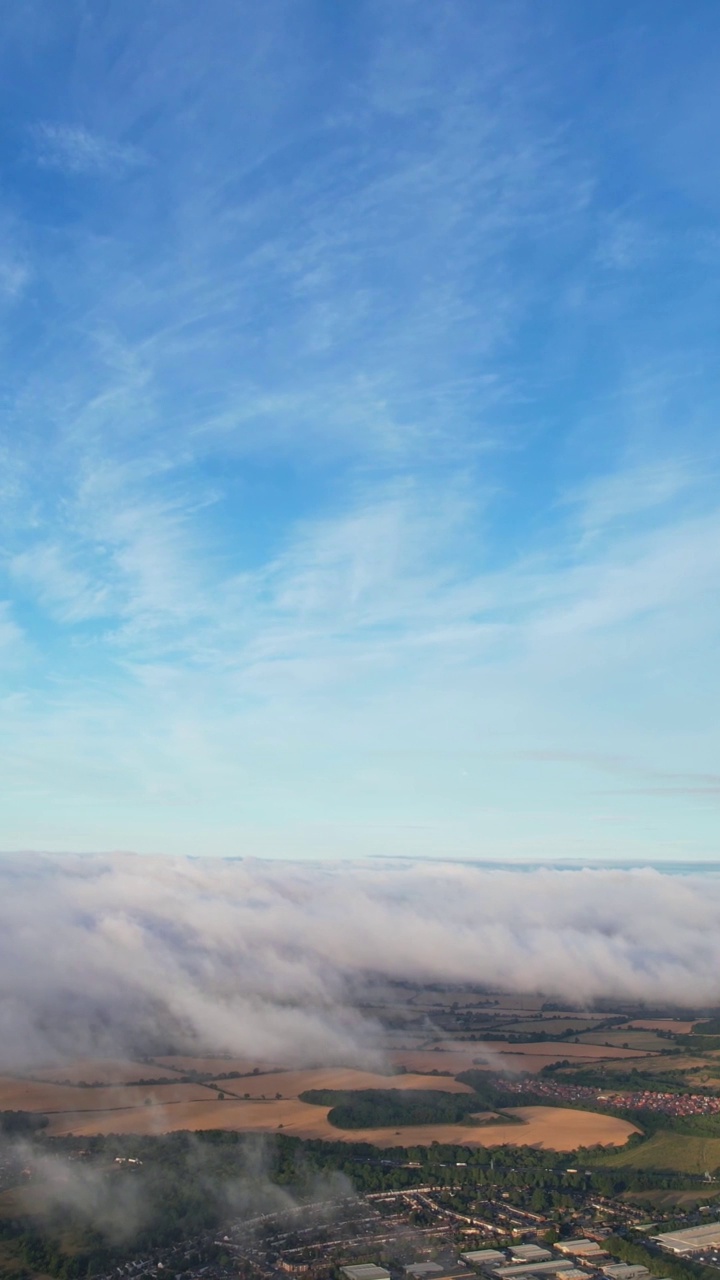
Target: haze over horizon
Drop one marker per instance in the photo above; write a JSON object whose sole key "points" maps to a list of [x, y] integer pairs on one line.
{"points": [[359, 460]]}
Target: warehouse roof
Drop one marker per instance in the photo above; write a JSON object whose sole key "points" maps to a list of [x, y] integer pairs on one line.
{"points": [[365, 1271]]}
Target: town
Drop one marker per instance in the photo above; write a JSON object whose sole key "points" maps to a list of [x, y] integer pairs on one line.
{"points": [[417, 1234]]}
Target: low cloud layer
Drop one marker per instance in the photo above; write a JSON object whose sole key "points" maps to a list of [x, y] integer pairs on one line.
{"points": [[103, 955], [120, 1207]]}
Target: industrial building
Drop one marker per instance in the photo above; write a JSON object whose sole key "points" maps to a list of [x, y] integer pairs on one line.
{"points": [[530, 1253], [556, 1266], [484, 1257], [365, 1271], [625, 1271], [693, 1240], [581, 1248]]}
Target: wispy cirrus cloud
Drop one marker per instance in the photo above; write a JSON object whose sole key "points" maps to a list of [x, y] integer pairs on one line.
{"points": [[341, 458], [73, 149]]}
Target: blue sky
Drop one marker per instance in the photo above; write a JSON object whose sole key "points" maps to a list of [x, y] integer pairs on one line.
{"points": [[359, 458]]}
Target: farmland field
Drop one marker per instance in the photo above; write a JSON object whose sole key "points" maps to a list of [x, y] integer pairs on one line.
{"points": [[499, 1055], [53, 1099], [646, 1041], [430, 1036], [103, 1071], [547, 1127], [31, 1095], [552, 1025], [215, 1065], [661, 1024], [684, 1153]]}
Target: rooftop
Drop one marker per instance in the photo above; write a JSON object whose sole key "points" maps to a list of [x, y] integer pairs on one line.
{"points": [[365, 1271]]}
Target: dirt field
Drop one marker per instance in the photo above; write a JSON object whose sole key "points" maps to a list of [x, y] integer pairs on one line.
{"points": [[104, 1071], [30, 1095], [550, 1127]]}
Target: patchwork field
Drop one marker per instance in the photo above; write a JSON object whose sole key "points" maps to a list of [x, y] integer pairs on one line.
{"points": [[547, 1127], [269, 1102], [499, 1055], [58, 1099], [431, 1035]]}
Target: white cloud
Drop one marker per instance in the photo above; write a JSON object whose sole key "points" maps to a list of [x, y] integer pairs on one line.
{"points": [[260, 959]]}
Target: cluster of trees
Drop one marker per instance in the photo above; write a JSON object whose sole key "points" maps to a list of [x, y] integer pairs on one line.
{"points": [[379, 1108], [493, 1094], [21, 1124], [31, 1250], [654, 1258], [711, 1027], [699, 1043]]}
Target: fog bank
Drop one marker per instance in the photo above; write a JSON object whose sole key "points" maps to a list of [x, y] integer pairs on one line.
{"points": [[124, 954]]}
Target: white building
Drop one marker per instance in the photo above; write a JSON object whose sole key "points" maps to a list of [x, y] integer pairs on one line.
{"points": [[691, 1241], [365, 1271], [484, 1257], [580, 1248]]}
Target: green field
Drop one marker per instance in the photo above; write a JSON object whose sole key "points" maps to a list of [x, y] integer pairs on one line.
{"points": [[647, 1064], [648, 1041], [681, 1152], [665, 1200]]}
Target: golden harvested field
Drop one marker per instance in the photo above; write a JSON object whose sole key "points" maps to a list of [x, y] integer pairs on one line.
{"points": [[31, 1095], [64, 1103], [104, 1071], [551, 1127]]}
